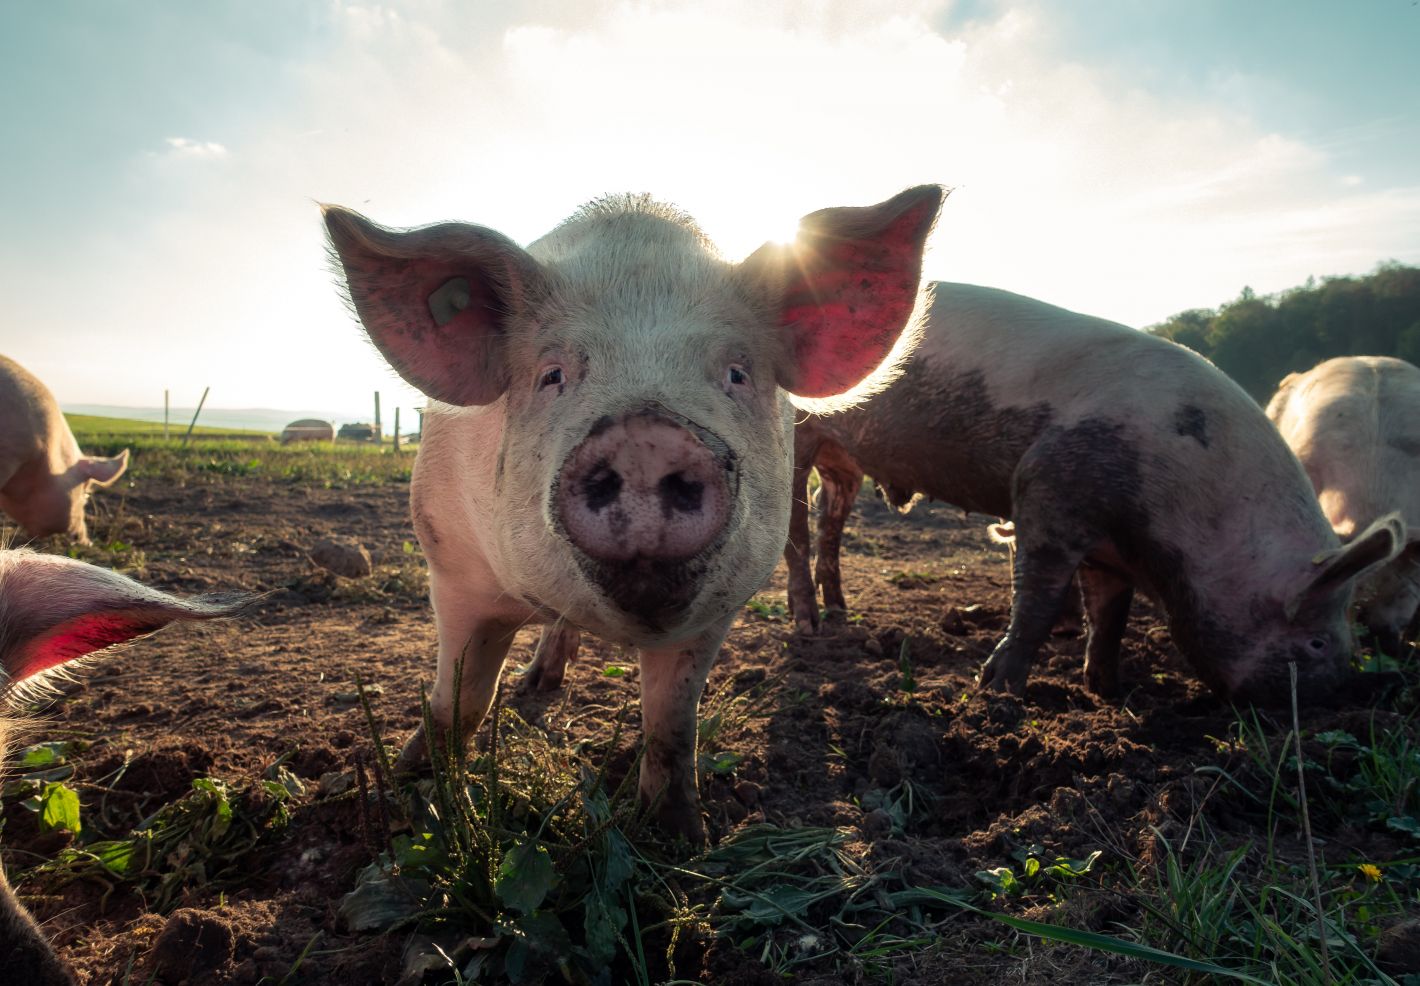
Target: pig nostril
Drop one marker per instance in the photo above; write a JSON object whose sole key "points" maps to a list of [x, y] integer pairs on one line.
{"points": [[601, 487], [681, 495]]}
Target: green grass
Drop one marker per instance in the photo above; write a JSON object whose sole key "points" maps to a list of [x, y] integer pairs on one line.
{"points": [[90, 426], [214, 461], [529, 864], [200, 838], [336, 464]]}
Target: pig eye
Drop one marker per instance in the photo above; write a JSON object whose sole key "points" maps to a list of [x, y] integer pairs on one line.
{"points": [[1318, 645], [736, 376], [551, 377]]}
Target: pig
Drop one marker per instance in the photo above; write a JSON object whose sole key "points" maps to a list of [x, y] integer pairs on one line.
{"points": [[1354, 422], [1115, 453], [53, 611], [44, 479], [608, 444]]}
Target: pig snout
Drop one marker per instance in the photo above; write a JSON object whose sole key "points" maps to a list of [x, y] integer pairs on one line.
{"points": [[643, 498], [645, 486]]}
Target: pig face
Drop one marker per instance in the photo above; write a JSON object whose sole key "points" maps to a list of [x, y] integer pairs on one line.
{"points": [[45, 501], [641, 483], [1310, 628], [1388, 599]]}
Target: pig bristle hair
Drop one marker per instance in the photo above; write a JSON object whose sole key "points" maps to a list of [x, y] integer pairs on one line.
{"points": [[639, 204], [45, 685], [886, 373]]}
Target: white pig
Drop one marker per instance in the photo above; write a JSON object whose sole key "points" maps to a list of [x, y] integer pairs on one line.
{"points": [[609, 441], [44, 479], [1354, 422], [52, 611]]}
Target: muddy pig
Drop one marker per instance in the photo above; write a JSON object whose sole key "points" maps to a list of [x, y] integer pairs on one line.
{"points": [[52, 611], [609, 438], [1117, 454], [1354, 422], [44, 479]]}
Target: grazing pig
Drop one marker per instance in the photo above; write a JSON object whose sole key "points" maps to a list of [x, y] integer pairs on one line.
{"points": [[609, 439], [53, 610], [44, 478], [1116, 453], [1354, 422]]}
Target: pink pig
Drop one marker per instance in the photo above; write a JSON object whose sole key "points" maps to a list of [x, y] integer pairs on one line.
{"points": [[609, 441], [44, 478]]}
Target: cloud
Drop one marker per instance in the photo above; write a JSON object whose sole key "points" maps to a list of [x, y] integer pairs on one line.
{"points": [[201, 149], [1074, 183]]}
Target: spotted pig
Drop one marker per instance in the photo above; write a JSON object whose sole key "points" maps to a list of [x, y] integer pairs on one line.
{"points": [[1116, 454]]}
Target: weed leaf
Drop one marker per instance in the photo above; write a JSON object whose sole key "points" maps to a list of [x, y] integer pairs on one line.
{"points": [[525, 877]]}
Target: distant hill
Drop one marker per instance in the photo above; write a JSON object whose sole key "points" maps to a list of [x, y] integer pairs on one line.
{"points": [[237, 419]]}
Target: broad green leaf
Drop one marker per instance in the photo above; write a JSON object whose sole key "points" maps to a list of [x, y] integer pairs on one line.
{"points": [[51, 754], [525, 877], [59, 808], [381, 900]]}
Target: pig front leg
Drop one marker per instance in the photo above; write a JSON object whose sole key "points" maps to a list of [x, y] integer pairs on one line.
{"points": [[672, 681], [556, 646], [803, 597], [472, 633], [1106, 596], [1050, 545], [839, 485]]}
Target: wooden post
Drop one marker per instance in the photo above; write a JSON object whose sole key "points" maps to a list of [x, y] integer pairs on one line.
{"points": [[195, 414], [396, 431], [165, 415], [379, 432]]}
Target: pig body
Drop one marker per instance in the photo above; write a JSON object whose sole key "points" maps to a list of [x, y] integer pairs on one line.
{"points": [[44, 478], [1117, 454], [1354, 422], [52, 611], [609, 441]]}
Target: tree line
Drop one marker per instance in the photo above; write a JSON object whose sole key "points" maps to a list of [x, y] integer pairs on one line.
{"points": [[1259, 340]]}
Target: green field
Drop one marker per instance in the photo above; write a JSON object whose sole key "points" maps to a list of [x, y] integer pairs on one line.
{"points": [[90, 425], [215, 453]]}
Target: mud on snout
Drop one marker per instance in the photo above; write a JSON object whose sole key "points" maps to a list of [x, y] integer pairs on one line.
{"points": [[645, 501]]}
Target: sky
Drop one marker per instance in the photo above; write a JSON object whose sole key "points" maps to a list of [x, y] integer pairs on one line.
{"points": [[163, 163]]}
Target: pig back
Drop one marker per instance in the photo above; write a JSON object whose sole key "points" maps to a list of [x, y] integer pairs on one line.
{"points": [[995, 371]]}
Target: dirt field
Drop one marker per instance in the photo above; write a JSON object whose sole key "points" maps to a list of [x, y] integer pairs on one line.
{"points": [[879, 706]]}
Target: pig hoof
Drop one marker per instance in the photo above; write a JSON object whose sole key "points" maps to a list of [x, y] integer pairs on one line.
{"points": [[541, 679], [996, 677], [683, 824], [414, 758], [1103, 686]]}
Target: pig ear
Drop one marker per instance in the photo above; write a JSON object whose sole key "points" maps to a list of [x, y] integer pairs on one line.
{"points": [[846, 288], [435, 300], [1335, 570], [104, 472], [55, 609]]}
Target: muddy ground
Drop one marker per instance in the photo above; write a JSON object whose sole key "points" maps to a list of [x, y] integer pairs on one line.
{"points": [[989, 775]]}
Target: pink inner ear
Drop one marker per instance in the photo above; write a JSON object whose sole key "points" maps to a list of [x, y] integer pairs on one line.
{"points": [[454, 362], [80, 636], [848, 302]]}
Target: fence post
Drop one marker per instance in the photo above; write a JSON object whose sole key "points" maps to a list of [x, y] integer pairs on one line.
{"points": [[195, 414]]}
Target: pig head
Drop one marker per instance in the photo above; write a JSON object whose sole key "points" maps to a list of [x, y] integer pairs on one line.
{"points": [[54, 610], [45, 480], [610, 439], [1354, 422]]}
